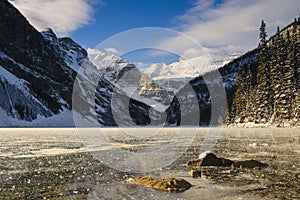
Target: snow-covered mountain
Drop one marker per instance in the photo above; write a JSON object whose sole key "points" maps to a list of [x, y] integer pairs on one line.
{"points": [[176, 75], [188, 68], [37, 72], [123, 95], [126, 96], [102, 60]]}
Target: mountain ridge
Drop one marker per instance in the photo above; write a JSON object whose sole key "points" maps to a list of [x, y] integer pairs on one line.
{"points": [[38, 72], [270, 83], [31, 57]]}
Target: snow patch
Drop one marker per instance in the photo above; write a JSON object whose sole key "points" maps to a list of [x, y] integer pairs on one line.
{"points": [[63, 119], [204, 154]]}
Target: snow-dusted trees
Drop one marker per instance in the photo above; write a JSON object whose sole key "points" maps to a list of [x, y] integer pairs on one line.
{"points": [[264, 100], [267, 89]]}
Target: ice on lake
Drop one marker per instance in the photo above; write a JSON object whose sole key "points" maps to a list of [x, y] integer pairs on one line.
{"points": [[95, 163]]}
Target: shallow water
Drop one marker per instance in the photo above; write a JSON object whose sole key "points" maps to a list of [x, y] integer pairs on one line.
{"points": [[95, 163]]}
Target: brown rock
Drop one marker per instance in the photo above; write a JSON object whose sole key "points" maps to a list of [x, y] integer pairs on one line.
{"points": [[166, 185], [209, 160], [212, 160], [249, 164], [193, 163]]}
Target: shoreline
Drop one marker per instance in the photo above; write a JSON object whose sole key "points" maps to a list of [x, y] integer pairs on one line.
{"points": [[241, 125]]}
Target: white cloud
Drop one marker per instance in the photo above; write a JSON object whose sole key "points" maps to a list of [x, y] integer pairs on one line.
{"points": [[63, 16], [96, 52], [141, 65], [231, 26], [93, 53], [112, 51]]}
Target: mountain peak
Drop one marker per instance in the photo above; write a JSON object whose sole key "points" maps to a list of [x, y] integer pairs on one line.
{"points": [[188, 68], [49, 34]]}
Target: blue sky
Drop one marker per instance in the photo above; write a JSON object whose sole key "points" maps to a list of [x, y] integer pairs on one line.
{"points": [[219, 26], [114, 16]]}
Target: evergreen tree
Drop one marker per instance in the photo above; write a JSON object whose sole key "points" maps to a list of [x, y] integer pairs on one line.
{"points": [[287, 79], [278, 76], [295, 53], [268, 88], [240, 95], [297, 50], [249, 93], [264, 98], [274, 75], [262, 34], [296, 80]]}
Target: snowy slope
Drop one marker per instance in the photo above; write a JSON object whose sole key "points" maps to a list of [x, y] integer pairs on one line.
{"points": [[17, 99], [63, 119], [122, 82], [20, 104], [175, 76], [188, 68], [102, 60], [123, 75], [120, 92]]}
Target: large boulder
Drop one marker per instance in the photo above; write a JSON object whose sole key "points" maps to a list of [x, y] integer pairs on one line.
{"points": [[209, 159], [173, 185]]}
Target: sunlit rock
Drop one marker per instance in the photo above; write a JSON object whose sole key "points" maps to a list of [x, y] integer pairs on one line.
{"points": [[173, 185], [210, 159]]}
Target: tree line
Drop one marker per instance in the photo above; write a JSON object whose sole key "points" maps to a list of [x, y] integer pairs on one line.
{"points": [[267, 88]]}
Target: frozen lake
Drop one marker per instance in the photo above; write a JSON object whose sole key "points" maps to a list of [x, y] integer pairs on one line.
{"points": [[96, 163]]}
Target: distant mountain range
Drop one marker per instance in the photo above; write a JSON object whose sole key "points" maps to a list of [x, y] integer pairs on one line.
{"points": [[47, 81], [188, 68], [175, 75]]}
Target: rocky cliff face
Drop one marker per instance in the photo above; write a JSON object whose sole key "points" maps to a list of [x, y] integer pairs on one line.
{"points": [[126, 97], [36, 76]]}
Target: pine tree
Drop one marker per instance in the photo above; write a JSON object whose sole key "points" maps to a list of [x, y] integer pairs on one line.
{"points": [[296, 80], [240, 95], [249, 93], [278, 75], [262, 34], [274, 75], [269, 91], [295, 53], [287, 79], [230, 113], [264, 100], [297, 49]]}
